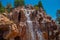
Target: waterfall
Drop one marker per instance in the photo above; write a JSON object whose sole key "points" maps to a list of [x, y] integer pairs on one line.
{"points": [[39, 33], [40, 36], [30, 25]]}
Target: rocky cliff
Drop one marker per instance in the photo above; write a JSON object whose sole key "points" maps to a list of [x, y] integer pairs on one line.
{"points": [[27, 24]]}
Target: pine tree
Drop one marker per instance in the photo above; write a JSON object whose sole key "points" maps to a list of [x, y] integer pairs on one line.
{"points": [[19, 3], [1, 8], [40, 4], [58, 16], [9, 7]]}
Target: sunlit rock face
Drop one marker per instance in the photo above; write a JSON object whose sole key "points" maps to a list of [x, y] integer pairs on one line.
{"points": [[33, 15], [27, 24], [18, 17]]}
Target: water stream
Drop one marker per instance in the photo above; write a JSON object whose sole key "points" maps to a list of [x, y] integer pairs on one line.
{"points": [[38, 32], [30, 26]]}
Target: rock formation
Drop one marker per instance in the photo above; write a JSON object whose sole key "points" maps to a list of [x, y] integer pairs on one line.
{"points": [[27, 24]]}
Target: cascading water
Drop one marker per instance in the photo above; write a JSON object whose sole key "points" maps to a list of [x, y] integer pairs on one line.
{"points": [[38, 32], [40, 36], [30, 25]]}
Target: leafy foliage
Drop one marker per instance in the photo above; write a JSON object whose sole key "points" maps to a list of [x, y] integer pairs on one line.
{"points": [[36, 7], [19, 3], [58, 16], [40, 4], [2, 9], [8, 7]]}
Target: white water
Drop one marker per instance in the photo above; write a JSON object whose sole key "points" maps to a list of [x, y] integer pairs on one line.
{"points": [[40, 36], [30, 25], [39, 33]]}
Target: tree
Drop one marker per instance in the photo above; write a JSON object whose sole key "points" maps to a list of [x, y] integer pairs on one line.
{"points": [[40, 4], [9, 7], [36, 7], [19, 3], [58, 16], [1, 8]]}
